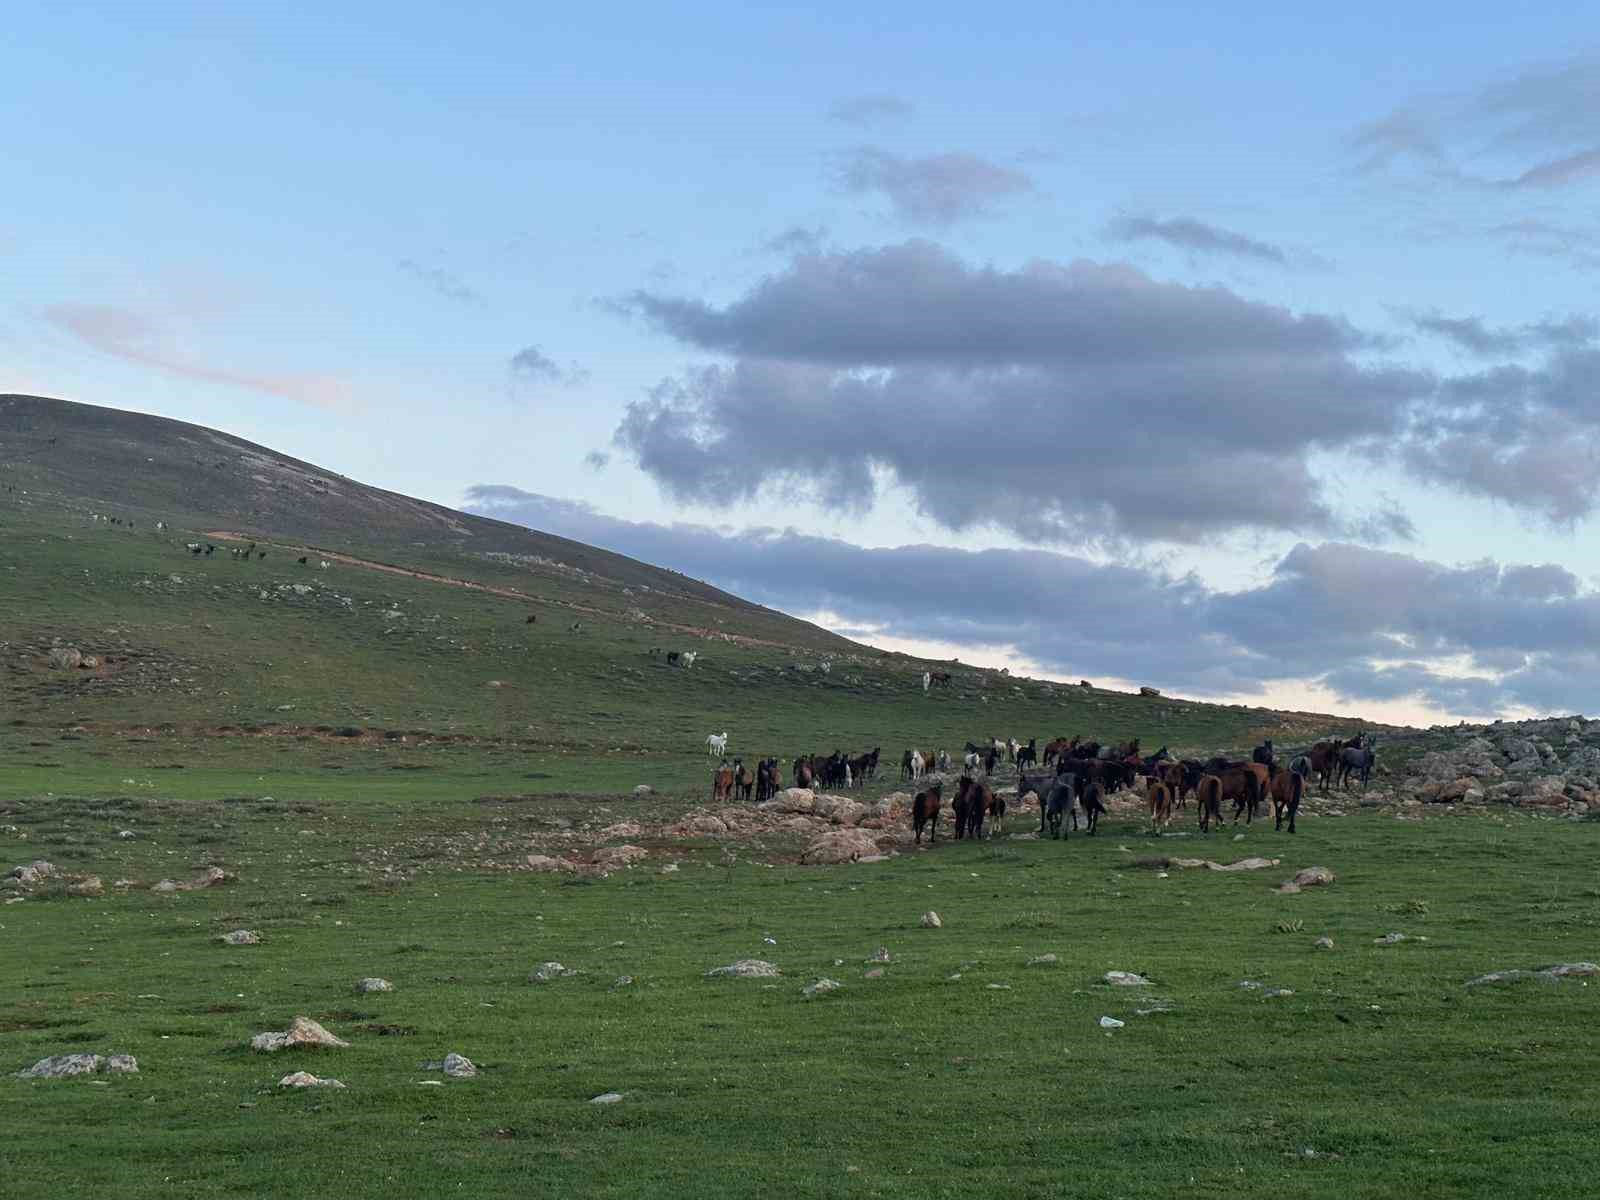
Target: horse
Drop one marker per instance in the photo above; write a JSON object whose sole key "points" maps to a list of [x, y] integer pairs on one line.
{"points": [[942, 678], [744, 780], [974, 801], [908, 768], [716, 743], [1208, 799], [1092, 801], [1263, 776], [1159, 797], [1287, 788], [925, 812], [1040, 783], [1356, 760], [1028, 755], [722, 784], [804, 775], [1057, 804], [1241, 785], [1263, 754], [1325, 760], [1171, 773]]}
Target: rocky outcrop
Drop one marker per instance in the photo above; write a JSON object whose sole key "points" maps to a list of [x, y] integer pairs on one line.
{"points": [[302, 1031]]}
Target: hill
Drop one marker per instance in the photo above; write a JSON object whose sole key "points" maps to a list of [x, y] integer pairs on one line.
{"points": [[433, 621]]}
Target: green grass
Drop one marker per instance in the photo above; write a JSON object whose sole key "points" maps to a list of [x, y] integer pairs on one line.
{"points": [[1399, 1079]]}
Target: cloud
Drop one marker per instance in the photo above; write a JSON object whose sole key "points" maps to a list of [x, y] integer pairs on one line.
{"points": [[1188, 234], [531, 363], [1369, 624], [137, 338], [1548, 239], [871, 109], [1477, 337], [937, 189], [1487, 136], [1103, 403], [440, 281], [796, 240], [597, 460]]}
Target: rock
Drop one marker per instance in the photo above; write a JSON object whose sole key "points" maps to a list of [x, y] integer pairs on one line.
{"points": [[607, 1098], [796, 800], [1111, 1023], [875, 973], [1149, 691], [1310, 877], [619, 856], [63, 1066], [1570, 970], [33, 873], [373, 984], [1323, 943], [305, 1079], [240, 937], [65, 658], [547, 971], [820, 988], [210, 877], [126, 835], [543, 862], [746, 968], [1043, 960], [90, 662], [1244, 864], [840, 846], [89, 885], [705, 826], [881, 955], [1126, 979], [642, 790], [930, 920], [1277, 993], [302, 1031], [1510, 976], [459, 1066]]}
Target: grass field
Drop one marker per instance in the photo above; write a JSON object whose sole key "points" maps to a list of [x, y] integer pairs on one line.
{"points": [[372, 756]]}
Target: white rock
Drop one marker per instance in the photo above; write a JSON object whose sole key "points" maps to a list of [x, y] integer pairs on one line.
{"points": [[373, 984], [1126, 979], [302, 1031], [930, 920], [1323, 943], [820, 987], [746, 968], [241, 937], [1111, 1023], [547, 971], [63, 1066], [305, 1079], [1043, 960], [459, 1066], [607, 1098]]}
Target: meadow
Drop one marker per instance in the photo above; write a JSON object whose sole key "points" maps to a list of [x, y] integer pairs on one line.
{"points": [[371, 760]]}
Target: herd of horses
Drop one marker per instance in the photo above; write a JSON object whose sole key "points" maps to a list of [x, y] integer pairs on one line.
{"points": [[1076, 777]]}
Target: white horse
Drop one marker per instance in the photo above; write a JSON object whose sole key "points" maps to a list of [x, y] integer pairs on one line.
{"points": [[717, 743], [687, 659], [927, 681], [944, 760], [918, 764], [972, 761]]}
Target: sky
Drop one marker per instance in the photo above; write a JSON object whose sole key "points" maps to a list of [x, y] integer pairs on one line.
{"points": [[1252, 354]]}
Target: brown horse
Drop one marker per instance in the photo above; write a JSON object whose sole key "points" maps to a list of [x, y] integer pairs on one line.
{"points": [[1242, 786], [1208, 799], [744, 780], [1263, 775], [722, 784], [1287, 788], [1324, 760], [1171, 774], [973, 802], [1159, 797], [925, 812]]}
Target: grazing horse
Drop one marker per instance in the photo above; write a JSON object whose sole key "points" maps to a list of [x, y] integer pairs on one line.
{"points": [[1159, 797], [744, 780], [925, 812], [1028, 755], [942, 678], [722, 784], [1287, 788], [1356, 760], [1208, 799]]}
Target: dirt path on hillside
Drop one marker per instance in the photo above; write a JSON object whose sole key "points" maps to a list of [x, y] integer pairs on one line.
{"points": [[509, 593]]}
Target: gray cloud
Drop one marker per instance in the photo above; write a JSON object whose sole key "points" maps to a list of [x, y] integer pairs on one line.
{"points": [[1186, 233], [1102, 404], [597, 460], [440, 282], [937, 189], [531, 363], [871, 109], [1338, 614], [796, 240], [1475, 335], [1545, 113]]}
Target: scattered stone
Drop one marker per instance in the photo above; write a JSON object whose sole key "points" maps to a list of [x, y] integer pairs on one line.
{"points": [[543, 862], [880, 955], [302, 1031], [62, 1066], [1111, 1023], [607, 1098], [1244, 864], [305, 1079], [373, 984], [746, 968], [820, 988], [1310, 877], [1510, 976], [126, 835], [1570, 970], [1394, 939], [995, 987], [458, 1066], [89, 885], [930, 920], [622, 981], [840, 846], [33, 873], [1249, 985], [240, 937], [547, 971], [210, 877], [619, 856], [1277, 993], [1323, 943], [875, 973], [65, 658], [1043, 960], [642, 790], [1126, 979]]}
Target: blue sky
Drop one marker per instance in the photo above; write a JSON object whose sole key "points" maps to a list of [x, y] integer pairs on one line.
{"points": [[1344, 262]]}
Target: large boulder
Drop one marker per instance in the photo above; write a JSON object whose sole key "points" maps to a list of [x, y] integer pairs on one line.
{"points": [[64, 1066], [65, 658], [610, 857], [302, 1031], [745, 968], [543, 862]]}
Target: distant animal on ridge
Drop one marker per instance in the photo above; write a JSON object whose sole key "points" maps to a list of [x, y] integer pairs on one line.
{"points": [[716, 743]]}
